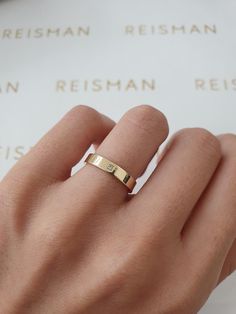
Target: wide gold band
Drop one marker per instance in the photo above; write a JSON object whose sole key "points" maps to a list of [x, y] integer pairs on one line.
{"points": [[109, 166]]}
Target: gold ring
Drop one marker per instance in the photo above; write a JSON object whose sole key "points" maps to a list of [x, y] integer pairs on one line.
{"points": [[109, 166]]}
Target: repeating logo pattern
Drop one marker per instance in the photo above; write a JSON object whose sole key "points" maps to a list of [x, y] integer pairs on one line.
{"points": [[96, 85]]}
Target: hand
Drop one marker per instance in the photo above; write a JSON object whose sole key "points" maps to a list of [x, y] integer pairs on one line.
{"points": [[82, 244]]}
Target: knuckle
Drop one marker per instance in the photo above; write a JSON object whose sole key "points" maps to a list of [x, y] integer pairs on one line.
{"points": [[149, 119], [203, 138], [228, 150], [82, 111], [228, 142], [228, 137]]}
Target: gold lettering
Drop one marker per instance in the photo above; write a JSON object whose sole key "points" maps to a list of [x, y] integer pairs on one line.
{"points": [[60, 86], [83, 31], [163, 29], [12, 87], [210, 29], [117, 84], [97, 85], [153, 29], [74, 86], [195, 29], [177, 29], [129, 30], [200, 84], [28, 33], [19, 153], [7, 153], [148, 85], [55, 31], [225, 83], [130, 84], [86, 86], [142, 30], [9, 87], [214, 84], [38, 33], [234, 84], [68, 31], [6, 33], [19, 33]]}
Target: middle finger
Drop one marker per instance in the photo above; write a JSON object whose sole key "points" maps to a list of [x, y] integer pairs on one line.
{"points": [[179, 179]]}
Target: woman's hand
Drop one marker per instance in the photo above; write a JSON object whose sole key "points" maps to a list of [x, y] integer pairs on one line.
{"points": [[81, 244]]}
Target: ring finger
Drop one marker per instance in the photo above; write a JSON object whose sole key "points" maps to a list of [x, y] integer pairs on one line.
{"points": [[131, 144]]}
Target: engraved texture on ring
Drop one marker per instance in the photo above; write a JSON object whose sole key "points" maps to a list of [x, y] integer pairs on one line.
{"points": [[110, 167]]}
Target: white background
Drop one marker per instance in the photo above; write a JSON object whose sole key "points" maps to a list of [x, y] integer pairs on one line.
{"points": [[175, 61]]}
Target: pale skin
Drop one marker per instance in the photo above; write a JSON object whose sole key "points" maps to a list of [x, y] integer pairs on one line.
{"points": [[81, 244]]}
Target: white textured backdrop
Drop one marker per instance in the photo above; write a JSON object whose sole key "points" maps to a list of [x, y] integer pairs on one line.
{"points": [[112, 55]]}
